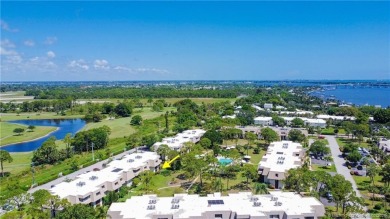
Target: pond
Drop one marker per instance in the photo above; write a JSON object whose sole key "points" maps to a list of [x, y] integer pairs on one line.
{"points": [[65, 126]]}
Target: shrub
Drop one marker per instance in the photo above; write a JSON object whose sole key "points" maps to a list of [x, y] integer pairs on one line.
{"points": [[378, 206]]}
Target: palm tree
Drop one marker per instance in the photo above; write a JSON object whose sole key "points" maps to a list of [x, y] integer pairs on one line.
{"points": [[163, 150], [372, 171], [260, 188]]}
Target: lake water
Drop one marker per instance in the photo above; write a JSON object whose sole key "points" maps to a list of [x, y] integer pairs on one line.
{"points": [[65, 126], [359, 95]]}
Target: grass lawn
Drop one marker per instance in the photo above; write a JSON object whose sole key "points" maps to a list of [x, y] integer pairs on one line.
{"points": [[43, 115], [362, 183], [316, 167], [21, 161], [343, 141], [330, 131], [8, 137]]}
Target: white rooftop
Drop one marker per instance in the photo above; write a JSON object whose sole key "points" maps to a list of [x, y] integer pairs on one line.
{"points": [[178, 140], [261, 118], [340, 118], [242, 203], [280, 156], [89, 182]]}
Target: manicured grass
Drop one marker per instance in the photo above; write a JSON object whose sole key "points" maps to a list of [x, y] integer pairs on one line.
{"points": [[343, 141], [21, 161], [121, 127], [362, 183], [8, 137], [330, 131], [316, 167], [43, 115]]}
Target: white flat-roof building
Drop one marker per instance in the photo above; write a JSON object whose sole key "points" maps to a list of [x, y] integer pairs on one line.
{"points": [[264, 121], [384, 145], [229, 117], [268, 106], [281, 156], [91, 187], [257, 107], [177, 142], [310, 122], [243, 205], [338, 118]]}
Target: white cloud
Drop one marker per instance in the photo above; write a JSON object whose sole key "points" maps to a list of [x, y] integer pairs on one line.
{"points": [[78, 64], [29, 43], [101, 64], [6, 43], [50, 40], [6, 27], [51, 54], [6, 52]]}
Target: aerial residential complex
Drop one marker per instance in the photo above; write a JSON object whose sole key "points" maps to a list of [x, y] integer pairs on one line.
{"points": [[267, 121], [243, 205], [91, 187], [177, 142], [281, 156]]}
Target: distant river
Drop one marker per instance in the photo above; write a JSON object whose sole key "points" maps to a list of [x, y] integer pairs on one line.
{"points": [[65, 126], [359, 95]]}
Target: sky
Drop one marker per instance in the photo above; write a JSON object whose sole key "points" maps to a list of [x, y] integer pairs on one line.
{"points": [[86, 41]]}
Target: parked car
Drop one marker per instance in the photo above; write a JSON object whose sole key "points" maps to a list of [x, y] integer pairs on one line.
{"points": [[321, 137], [329, 196]]}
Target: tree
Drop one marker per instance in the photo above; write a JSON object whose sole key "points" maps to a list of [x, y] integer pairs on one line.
{"points": [[372, 171], [68, 141], [296, 135], [385, 173], [250, 137], [146, 180], [166, 116], [163, 150], [297, 122], [214, 136], [228, 172], [260, 188], [279, 121], [31, 128], [77, 211], [205, 142], [18, 131], [194, 165], [269, 135], [158, 106], [382, 116], [4, 157], [298, 180], [354, 156], [47, 153], [249, 171], [136, 120], [319, 147], [122, 110]]}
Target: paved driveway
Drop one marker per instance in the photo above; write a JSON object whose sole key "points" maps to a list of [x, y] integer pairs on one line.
{"points": [[340, 164]]}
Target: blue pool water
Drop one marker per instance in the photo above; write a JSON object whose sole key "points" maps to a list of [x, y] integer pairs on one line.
{"points": [[225, 161], [65, 126]]}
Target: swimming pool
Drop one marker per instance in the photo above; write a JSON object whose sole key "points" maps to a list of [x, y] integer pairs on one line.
{"points": [[224, 161]]}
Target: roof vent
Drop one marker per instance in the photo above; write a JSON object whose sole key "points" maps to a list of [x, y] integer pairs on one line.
{"points": [[175, 200], [138, 157], [152, 201], [130, 160], [93, 178], [81, 184], [175, 206], [256, 204], [151, 207]]}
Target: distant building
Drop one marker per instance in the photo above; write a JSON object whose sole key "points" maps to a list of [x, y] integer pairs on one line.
{"points": [[243, 205], [177, 142], [90, 188], [281, 156], [315, 122], [284, 131], [268, 106], [229, 117], [338, 118], [264, 121], [384, 145]]}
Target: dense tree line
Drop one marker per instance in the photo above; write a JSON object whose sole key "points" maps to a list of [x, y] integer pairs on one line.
{"points": [[115, 92]]}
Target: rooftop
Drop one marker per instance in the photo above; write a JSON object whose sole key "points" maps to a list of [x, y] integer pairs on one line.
{"points": [[177, 141], [243, 203], [89, 182], [280, 156]]}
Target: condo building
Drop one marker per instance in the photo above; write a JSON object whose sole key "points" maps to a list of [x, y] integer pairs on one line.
{"points": [[243, 205], [281, 156], [177, 142], [91, 187]]}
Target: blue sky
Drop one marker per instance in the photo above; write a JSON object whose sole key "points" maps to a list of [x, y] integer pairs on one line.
{"points": [[194, 40]]}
